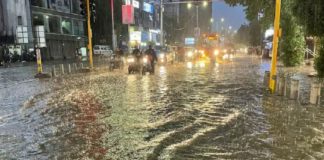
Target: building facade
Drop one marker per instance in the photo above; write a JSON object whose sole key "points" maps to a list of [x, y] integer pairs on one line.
{"points": [[14, 15], [55, 26], [146, 27], [63, 24]]}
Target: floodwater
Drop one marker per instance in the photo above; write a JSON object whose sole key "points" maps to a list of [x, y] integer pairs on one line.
{"points": [[184, 111]]}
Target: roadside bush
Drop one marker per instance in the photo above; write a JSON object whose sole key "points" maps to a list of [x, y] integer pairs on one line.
{"points": [[293, 43], [319, 61]]}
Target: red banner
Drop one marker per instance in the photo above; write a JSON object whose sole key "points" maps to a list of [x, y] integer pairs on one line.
{"points": [[128, 14]]}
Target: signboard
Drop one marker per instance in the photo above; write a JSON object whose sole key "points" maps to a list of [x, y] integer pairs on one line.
{"points": [[147, 7], [136, 4], [40, 36], [136, 36], [189, 41], [145, 37], [22, 35], [128, 14]]}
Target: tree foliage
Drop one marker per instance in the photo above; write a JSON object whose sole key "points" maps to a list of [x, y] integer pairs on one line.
{"points": [[310, 14], [319, 61], [292, 42], [249, 34]]}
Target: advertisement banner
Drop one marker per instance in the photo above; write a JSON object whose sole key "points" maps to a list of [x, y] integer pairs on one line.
{"points": [[147, 7], [128, 14]]}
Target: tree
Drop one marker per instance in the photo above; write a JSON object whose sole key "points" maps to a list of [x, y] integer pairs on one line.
{"points": [[310, 14], [243, 35], [292, 42]]}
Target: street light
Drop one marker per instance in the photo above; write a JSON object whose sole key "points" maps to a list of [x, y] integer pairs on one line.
{"points": [[212, 20], [205, 3], [222, 19], [189, 5], [230, 27]]}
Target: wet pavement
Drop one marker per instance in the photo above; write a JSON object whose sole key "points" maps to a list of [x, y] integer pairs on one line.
{"points": [[184, 111]]}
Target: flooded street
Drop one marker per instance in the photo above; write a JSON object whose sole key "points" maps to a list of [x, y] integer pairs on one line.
{"points": [[184, 111]]}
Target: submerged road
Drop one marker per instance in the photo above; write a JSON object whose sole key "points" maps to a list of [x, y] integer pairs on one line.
{"points": [[184, 111]]}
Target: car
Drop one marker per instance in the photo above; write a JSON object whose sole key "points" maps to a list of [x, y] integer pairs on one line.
{"points": [[102, 50]]}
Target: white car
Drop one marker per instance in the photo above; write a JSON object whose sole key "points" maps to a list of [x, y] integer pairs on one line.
{"points": [[102, 50]]}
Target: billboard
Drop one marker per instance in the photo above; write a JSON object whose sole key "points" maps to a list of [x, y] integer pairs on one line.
{"points": [[147, 7], [189, 41], [128, 14]]}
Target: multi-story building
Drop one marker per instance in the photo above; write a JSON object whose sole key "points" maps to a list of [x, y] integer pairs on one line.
{"points": [[64, 26], [181, 20], [147, 22], [14, 15]]}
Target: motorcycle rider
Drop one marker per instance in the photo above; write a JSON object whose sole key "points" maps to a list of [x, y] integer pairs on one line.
{"points": [[137, 54], [150, 52]]}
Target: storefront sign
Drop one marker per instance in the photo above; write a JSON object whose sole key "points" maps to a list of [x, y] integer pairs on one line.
{"points": [[40, 36], [128, 14], [136, 4], [147, 7], [189, 41], [136, 36]]}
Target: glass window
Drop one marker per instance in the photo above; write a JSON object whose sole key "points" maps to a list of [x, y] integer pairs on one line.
{"points": [[76, 7], [66, 26], [78, 27], [38, 20], [20, 22], [61, 5], [39, 3], [54, 24]]}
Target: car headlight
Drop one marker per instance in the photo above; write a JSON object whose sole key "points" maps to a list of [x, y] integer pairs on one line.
{"points": [[130, 60], [216, 52], [190, 54], [162, 56], [225, 56], [145, 60]]}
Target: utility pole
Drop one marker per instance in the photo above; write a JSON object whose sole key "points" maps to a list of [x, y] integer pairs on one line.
{"points": [[197, 16], [113, 26], [161, 23], [89, 34], [277, 34]]}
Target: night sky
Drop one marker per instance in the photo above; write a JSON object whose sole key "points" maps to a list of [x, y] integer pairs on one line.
{"points": [[234, 16]]}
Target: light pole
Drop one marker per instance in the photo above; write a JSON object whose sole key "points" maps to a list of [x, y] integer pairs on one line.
{"points": [[161, 23], [114, 44], [276, 35]]}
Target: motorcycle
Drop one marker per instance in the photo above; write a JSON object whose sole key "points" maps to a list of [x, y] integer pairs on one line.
{"points": [[134, 64], [147, 66]]}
